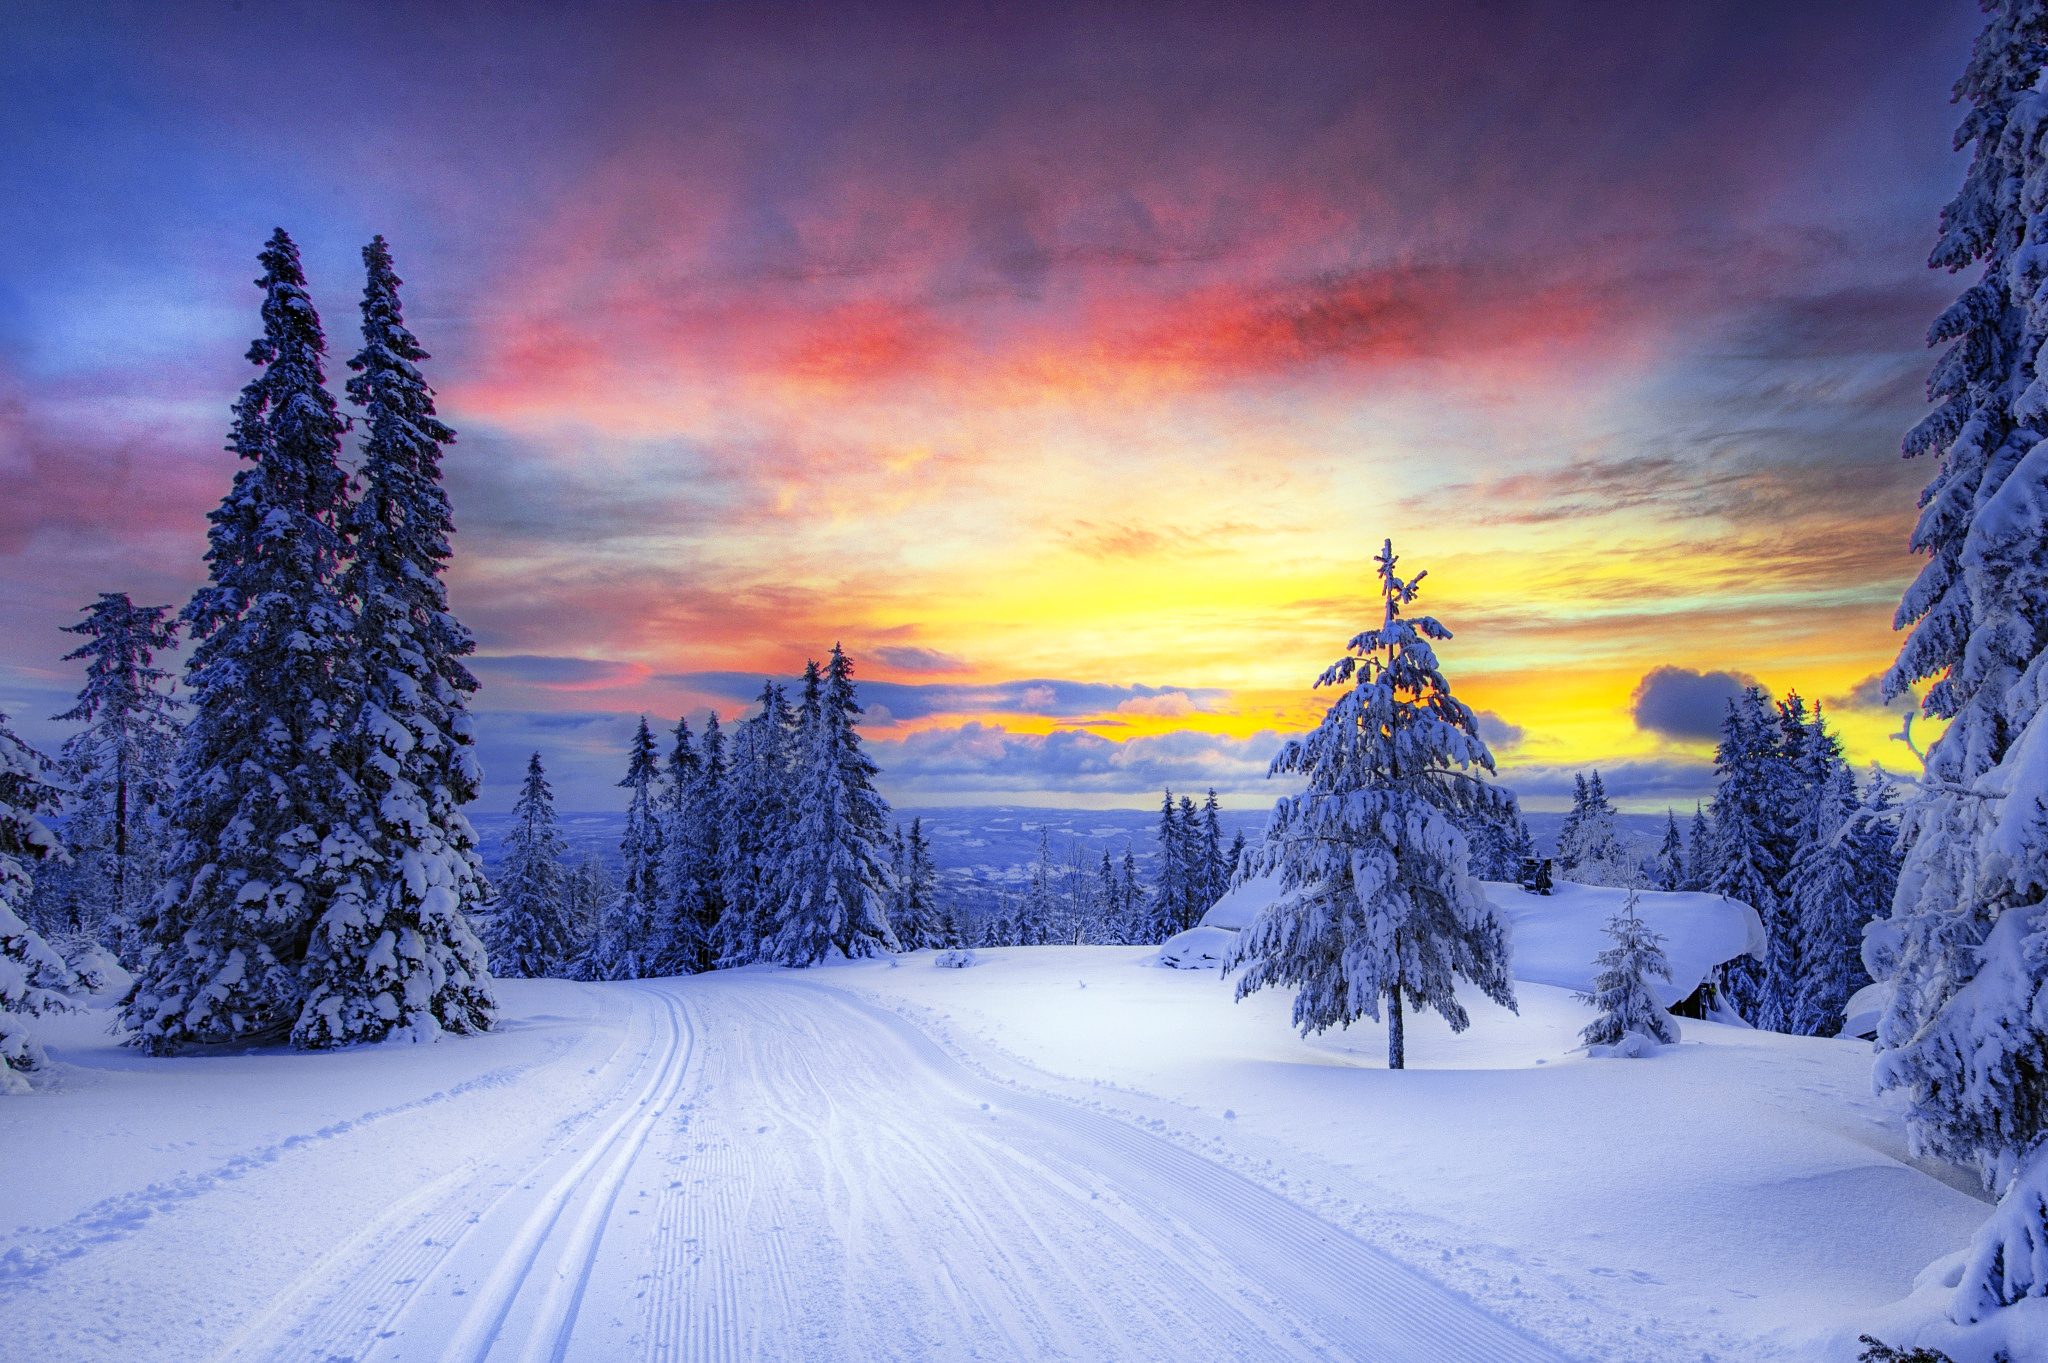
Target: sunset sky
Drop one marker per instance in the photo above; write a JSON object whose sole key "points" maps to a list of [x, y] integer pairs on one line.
{"points": [[1066, 363]]}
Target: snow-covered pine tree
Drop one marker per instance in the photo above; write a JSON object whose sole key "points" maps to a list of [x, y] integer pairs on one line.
{"points": [[919, 926], [1590, 850], [1170, 893], [530, 933], [264, 827], [1521, 851], [1748, 837], [1966, 943], [754, 829], [1035, 913], [686, 922], [1568, 828], [1109, 893], [1669, 868], [1190, 849], [119, 767], [33, 977], [1215, 874], [834, 885], [999, 929], [629, 940], [1233, 859], [899, 885], [706, 829], [1797, 767], [1621, 991], [1137, 915], [587, 891], [1701, 861], [393, 952], [1844, 875], [1498, 838], [1378, 903]]}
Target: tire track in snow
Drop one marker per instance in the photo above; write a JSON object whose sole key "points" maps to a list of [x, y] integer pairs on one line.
{"points": [[1209, 1246], [117, 1218], [385, 1268]]}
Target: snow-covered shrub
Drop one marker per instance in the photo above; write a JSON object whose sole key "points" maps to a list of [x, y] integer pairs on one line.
{"points": [[1631, 1023], [954, 958]]}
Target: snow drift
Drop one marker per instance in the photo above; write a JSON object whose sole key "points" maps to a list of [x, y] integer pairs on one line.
{"points": [[1556, 936]]}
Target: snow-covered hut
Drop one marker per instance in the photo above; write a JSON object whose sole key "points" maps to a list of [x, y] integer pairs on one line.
{"points": [[1556, 936]]}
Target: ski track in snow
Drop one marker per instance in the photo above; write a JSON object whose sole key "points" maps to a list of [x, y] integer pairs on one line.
{"points": [[772, 1169]]}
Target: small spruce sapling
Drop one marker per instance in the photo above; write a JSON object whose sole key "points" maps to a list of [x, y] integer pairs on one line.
{"points": [[1631, 1019]]}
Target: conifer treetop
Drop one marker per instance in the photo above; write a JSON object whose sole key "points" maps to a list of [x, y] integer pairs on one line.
{"points": [[122, 641]]}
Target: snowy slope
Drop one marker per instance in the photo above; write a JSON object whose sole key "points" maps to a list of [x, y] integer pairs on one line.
{"points": [[1741, 1197], [1061, 1152], [744, 1165]]}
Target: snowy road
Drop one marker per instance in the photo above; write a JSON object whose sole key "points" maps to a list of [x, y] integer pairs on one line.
{"points": [[779, 1172]]}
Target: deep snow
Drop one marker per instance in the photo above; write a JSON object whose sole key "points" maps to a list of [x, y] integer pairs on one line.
{"points": [[756, 1164]]}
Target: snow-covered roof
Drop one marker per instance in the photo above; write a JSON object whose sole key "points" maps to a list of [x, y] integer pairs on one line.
{"points": [[1556, 936], [1240, 904]]}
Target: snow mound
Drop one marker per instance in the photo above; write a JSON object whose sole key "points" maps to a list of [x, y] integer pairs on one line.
{"points": [[1861, 1013], [1633, 1046], [1557, 935], [1199, 948]]}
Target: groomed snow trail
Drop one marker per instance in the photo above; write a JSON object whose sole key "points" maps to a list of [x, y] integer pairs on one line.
{"points": [[784, 1173]]}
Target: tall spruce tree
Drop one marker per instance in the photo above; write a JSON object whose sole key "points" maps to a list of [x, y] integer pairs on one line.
{"points": [[1750, 845], [119, 766], [685, 935], [1378, 905], [265, 828], [628, 942], [1172, 895], [754, 828], [1966, 943], [689, 851], [393, 951], [834, 882], [1845, 874], [1669, 868], [1131, 896], [33, 978], [1701, 860], [919, 925], [1215, 877], [1589, 849], [703, 830], [530, 931], [587, 892], [1035, 911]]}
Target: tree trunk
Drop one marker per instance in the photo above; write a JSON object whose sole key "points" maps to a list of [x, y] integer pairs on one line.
{"points": [[1396, 1052]]}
